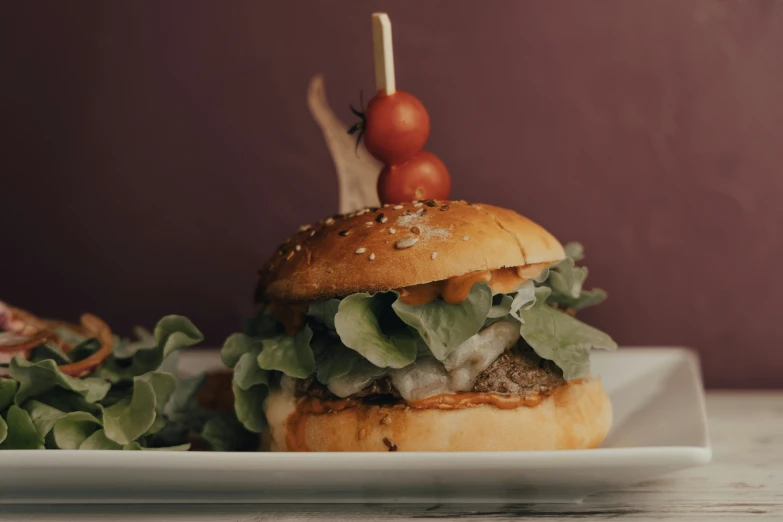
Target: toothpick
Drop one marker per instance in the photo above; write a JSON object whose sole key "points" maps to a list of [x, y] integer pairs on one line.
{"points": [[384, 55]]}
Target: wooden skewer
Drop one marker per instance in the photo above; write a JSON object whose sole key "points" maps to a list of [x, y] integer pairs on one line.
{"points": [[384, 55]]}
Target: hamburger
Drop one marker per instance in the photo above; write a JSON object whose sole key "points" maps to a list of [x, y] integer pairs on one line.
{"points": [[421, 326]]}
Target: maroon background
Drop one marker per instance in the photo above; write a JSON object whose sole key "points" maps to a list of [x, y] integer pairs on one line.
{"points": [[153, 153]]}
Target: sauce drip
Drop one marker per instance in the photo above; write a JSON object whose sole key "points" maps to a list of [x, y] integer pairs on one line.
{"points": [[455, 290], [456, 401], [310, 406], [291, 316]]}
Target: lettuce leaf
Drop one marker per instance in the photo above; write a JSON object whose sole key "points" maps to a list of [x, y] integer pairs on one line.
{"points": [[566, 281], [37, 378], [20, 431], [358, 323], [445, 326], [324, 312], [72, 429], [44, 417], [561, 338], [172, 333], [290, 354], [334, 360], [248, 406], [7, 391], [247, 372]]}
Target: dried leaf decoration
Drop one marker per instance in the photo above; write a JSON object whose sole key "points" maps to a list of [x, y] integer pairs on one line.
{"points": [[357, 170]]}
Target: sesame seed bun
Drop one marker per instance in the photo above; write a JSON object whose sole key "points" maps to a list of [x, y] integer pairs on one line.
{"points": [[402, 245], [577, 415]]}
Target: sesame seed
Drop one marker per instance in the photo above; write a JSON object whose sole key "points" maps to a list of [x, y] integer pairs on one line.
{"points": [[361, 250], [343, 233], [372, 256], [418, 204], [465, 238], [290, 255], [392, 230], [312, 233], [298, 248], [397, 207], [304, 228], [386, 420], [386, 205], [381, 218], [434, 255], [416, 230], [328, 221], [368, 224], [362, 212], [421, 212], [406, 242]]}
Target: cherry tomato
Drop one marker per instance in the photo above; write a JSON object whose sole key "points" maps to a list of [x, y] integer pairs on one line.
{"points": [[396, 127], [424, 176]]}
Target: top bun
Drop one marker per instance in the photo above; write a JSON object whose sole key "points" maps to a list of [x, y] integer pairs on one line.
{"points": [[381, 249]]}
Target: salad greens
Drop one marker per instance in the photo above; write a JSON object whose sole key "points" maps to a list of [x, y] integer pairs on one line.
{"points": [[367, 334], [134, 401]]}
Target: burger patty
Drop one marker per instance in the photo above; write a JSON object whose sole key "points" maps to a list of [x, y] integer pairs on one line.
{"points": [[518, 371]]}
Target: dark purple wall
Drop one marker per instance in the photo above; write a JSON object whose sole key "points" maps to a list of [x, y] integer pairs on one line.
{"points": [[153, 153]]}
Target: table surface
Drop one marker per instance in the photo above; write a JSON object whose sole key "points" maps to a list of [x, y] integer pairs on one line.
{"points": [[743, 482]]}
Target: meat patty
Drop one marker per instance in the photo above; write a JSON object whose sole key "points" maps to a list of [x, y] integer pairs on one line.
{"points": [[518, 371]]}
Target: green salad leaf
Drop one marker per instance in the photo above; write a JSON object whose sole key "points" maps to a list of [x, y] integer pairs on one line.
{"points": [[37, 378], [8, 389], [72, 429], [44, 417], [324, 312], [248, 405], [131, 417], [134, 401], [20, 431], [560, 338], [290, 354], [444, 326], [358, 323], [248, 373], [334, 360]]}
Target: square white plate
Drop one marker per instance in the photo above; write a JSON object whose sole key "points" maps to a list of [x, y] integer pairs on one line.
{"points": [[660, 426]]}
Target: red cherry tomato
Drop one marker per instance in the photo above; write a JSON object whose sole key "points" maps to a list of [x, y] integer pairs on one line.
{"points": [[424, 176], [396, 127]]}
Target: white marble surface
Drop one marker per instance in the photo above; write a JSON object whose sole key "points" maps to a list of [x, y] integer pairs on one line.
{"points": [[744, 482]]}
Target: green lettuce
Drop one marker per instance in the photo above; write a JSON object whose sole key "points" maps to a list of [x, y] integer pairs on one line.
{"points": [[359, 324], [134, 401], [561, 338], [444, 326], [290, 354]]}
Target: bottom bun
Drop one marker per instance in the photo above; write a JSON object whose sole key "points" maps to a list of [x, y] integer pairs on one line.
{"points": [[576, 416]]}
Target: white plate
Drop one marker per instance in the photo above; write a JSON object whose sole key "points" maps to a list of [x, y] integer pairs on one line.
{"points": [[660, 426]]}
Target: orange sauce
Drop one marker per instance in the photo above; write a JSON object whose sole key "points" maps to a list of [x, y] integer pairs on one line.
{"points": [[455, 290], [291, 316], [456, 401]]}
